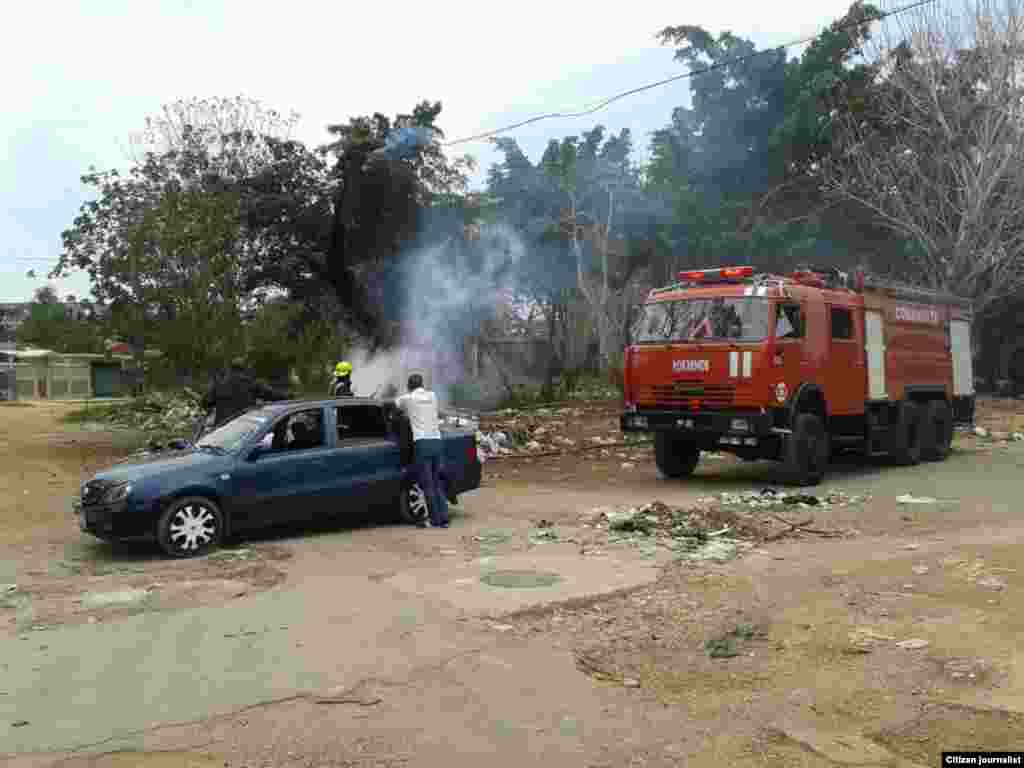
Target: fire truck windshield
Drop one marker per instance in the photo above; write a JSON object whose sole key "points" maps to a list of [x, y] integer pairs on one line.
{"points": [[741, 318]]}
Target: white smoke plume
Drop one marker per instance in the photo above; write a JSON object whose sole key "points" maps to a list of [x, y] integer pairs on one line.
{"points": [[448, 293]]}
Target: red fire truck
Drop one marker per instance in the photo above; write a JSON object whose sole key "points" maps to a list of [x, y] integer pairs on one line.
{"points": [[795, 367]]}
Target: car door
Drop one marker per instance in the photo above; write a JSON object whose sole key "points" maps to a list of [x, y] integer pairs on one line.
{"points": [[366, 460], [285, 479]]}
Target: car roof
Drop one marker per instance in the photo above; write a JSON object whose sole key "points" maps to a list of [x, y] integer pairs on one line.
{"points": [[285, 406]]}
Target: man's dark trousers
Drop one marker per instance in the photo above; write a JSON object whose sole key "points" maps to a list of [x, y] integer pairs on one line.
{"points": [[427, 471]]}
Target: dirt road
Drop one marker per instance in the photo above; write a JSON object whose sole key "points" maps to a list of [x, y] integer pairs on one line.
{"points": [[497, 640]]}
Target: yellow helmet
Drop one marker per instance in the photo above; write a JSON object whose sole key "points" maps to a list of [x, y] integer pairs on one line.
{"points": [[343, 369]]}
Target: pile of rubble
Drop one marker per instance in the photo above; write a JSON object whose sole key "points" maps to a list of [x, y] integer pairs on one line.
{"points": [[161, 415], [771, 498], [712, 531]]}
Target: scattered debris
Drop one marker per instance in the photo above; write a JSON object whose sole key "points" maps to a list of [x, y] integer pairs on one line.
{"points": [[709, 532], [103, 599], [865, 640], [770, 497], [20, 723], [920, 570], [628, 465], [631, 682], [590, 666], [543, 534], [911, 547], [164, 415], [981, 432], [908, 499], [914, 644], [992, 582], [725, 647]]}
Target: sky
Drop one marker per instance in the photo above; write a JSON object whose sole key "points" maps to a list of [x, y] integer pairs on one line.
{"points": [[81, 77]]}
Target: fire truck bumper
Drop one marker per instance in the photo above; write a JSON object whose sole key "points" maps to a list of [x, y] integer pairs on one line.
{"points": [[731, 428]]}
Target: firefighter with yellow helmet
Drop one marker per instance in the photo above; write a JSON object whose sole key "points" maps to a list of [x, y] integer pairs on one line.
{"points": [[342, 386]]}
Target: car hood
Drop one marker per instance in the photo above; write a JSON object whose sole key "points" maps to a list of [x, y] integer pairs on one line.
{"points": [[152, 465]]}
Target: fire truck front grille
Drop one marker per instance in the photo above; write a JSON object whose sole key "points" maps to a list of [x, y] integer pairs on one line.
{"points": [[684, 395]]}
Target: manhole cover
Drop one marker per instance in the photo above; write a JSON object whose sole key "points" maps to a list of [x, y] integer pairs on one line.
{"points": [[520, 579]]}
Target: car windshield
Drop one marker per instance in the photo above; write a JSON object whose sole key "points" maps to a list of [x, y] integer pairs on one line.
{"points": [[741, 318], [230, 436]]}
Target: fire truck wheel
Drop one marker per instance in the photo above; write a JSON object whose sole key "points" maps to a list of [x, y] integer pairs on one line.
{"points": [[675, 457], [936, 431], [807, 450], [907, 447]]}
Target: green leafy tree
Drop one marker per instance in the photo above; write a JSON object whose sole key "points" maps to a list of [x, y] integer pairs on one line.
{"points": [[50, 326], [742, 166]]}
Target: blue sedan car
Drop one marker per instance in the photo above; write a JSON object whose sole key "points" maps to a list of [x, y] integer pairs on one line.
{"points": [[288, 462]]}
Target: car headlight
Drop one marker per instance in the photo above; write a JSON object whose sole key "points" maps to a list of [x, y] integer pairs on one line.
{"points": [[118, 493]]}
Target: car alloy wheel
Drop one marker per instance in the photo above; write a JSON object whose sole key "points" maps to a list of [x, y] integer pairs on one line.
{"points": [[190, 527], [419, 511]]}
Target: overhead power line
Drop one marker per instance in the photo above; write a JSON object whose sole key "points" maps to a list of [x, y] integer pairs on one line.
{"points": [[711, 68]]}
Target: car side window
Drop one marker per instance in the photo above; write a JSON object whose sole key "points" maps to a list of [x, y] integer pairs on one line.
{"points": [[842, 324], [361, 421], [296, 432], [789, 322]]}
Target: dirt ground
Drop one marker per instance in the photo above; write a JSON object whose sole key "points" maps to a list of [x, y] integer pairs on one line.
{"points": [[879, 633]]}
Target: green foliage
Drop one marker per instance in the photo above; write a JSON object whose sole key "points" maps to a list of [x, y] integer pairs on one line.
{"points": [[739, 167], [50, 326]]}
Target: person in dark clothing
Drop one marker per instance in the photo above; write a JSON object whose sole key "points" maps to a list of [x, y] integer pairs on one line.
{"points": [[237, 391]]}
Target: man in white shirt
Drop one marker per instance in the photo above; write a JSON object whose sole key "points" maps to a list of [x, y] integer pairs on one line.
{"points": [[420, 406]]}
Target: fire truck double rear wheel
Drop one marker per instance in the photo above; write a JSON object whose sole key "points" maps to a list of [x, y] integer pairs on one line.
{"points": [[907, 442], [675, 456], [807, 451], [936, 431]]}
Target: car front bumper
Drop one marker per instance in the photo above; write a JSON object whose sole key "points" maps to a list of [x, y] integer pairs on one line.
{"points": [[112, 521]]}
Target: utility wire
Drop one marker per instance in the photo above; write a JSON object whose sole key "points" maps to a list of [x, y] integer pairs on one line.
{"points": [[711, 68]]}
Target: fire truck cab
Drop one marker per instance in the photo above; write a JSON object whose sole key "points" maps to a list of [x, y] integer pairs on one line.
{"points": [[793, 368]]}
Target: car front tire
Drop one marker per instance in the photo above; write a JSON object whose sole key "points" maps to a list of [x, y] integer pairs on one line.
{"points": [[190, 527]]}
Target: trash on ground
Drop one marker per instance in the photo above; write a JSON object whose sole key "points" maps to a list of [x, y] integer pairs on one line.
{"points": [[992, 582], [864, 640], [908, 499], [914, 644], [544, 534], [121, 597], [770, 497]]}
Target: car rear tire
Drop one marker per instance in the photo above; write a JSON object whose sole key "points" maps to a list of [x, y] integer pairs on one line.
{"points": [[674, 456], [807, 451], [412, 505], [907, 448], [936, 431], [190, 527]]}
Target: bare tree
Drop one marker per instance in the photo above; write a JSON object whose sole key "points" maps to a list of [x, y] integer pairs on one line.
{"points": [[936, 150], [232, 132]]}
